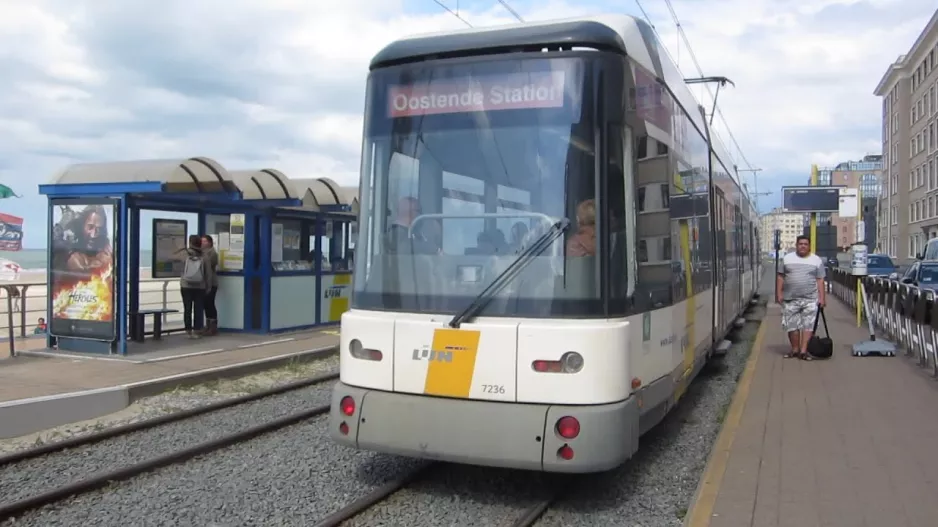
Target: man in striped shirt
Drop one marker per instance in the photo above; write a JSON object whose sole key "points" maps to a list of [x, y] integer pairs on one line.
{"points": [[799, 288]]}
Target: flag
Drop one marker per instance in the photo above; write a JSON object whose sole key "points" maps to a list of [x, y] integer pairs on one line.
{"points": [[7, 192], [11, 233]]}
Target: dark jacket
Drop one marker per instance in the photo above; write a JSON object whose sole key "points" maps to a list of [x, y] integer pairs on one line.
{"points": [[211, 263]]}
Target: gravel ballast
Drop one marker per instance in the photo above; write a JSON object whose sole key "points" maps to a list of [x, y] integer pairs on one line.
{"points": [[297, 476], [294, 476], [31, 476]]}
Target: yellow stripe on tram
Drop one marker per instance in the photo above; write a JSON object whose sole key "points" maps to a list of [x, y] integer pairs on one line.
{"points": [[689, 343], [452, 363]]}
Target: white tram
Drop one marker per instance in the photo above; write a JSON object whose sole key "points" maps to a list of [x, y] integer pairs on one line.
{"points": [[550, 247]]}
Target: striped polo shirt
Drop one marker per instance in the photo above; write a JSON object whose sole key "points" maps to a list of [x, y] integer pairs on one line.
{"points": [[800, 276]]}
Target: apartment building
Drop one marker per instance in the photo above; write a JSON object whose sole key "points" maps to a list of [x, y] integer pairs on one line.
{"points": [[790, 223], [908, 211], [863, 175]]}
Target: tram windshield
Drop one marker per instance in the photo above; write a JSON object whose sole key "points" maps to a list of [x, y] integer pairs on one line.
{"points": [[465, 164]]}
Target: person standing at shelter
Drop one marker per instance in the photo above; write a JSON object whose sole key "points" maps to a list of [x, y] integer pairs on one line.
{"points": [[193, 284], [799, 288], [211, 267]]}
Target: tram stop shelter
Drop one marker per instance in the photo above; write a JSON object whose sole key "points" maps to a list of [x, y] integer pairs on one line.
{"points": [[285, 248]]}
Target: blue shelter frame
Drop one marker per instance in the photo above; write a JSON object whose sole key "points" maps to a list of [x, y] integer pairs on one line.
{"points": [[196, 185]]}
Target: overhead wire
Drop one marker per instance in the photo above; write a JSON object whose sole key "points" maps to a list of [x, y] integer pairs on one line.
{"points": [[693, 58], [454, 13]]}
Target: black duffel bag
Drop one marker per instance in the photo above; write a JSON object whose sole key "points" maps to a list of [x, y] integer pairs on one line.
{"points": [[821, 347]]}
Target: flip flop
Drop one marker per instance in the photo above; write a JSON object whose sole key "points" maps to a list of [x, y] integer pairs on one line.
{"points": [[805, 356], [790, 355]]}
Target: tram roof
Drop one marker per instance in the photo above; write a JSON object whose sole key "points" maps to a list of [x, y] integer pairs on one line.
{"points": [[608, 32]]}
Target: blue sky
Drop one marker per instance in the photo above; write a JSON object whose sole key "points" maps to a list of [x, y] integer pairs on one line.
{"points": [[280, 83]]}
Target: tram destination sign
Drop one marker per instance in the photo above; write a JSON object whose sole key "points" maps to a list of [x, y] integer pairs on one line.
{"points": [[811, 199], [488, 93]]}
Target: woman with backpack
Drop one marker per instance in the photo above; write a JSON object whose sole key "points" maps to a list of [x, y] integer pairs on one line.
{"points": [[193, 284]]}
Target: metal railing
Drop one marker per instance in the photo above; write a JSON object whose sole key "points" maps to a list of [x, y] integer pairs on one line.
{"points": [[903, 313], [26, 302]]}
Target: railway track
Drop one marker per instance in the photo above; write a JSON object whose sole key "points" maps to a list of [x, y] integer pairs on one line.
{"points": [[528, 518], [18, 507]]}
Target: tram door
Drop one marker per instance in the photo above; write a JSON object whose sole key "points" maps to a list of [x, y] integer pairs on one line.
{"points": [[720, 261], [739, 250]]}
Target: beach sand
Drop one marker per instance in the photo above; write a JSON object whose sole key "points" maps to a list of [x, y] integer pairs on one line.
{"points": [[154, 294]]}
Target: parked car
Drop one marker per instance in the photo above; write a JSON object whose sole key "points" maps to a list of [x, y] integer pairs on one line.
{"points": [[881, 265], [922, 274], [931, 250]]}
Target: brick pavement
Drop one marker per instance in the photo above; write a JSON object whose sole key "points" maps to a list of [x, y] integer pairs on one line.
{"points": [[25, 377], [846, 442]]}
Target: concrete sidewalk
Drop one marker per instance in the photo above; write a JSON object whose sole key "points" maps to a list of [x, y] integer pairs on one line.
{"points": [[845, 442], [41, 392]]}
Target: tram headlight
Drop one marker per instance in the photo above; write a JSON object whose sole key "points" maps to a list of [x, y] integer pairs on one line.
{"points": [[572, 362], [358, 351], [355, 348]]}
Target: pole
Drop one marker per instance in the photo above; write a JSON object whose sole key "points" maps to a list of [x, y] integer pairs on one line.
{"points": [[812, 229], [9, 289], [861, 238]]}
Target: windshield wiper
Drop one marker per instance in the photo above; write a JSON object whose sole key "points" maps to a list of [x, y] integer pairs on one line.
{"points": [[513, 270]]}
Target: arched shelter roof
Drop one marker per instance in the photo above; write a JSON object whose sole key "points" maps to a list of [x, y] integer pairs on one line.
{"points": [[195, 174]]}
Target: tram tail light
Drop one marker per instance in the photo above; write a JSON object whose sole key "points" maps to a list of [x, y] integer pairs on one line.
{"points": [[358, 351], [347, 405], [568, 427], [565, 453], [570, 362]]}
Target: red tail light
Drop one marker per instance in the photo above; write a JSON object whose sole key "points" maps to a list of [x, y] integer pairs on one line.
{"points": [[565, 453], [570, 362], [347, 405], [568, 427], [343, 428]]}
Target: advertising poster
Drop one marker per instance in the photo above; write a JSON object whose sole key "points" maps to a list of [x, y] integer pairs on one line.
{"points": [[11, 233], [169, 238], [82, 269]]}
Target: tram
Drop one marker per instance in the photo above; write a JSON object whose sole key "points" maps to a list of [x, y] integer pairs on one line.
{"points": [[551, 245]]}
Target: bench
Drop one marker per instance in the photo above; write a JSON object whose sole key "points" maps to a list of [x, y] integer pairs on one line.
{"points": [[138, 323]]}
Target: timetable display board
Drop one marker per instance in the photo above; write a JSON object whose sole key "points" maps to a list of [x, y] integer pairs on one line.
{"points": [[169, 240], [811, 199]]}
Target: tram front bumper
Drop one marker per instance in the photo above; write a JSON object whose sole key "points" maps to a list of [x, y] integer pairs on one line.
{"points": [[488, 433]]}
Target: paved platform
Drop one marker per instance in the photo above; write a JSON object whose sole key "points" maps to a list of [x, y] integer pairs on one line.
{"points": [[48, 373], [850, 441]]}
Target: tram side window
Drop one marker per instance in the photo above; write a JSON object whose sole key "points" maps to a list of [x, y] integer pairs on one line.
{"points": [[654, 231], [620, 202]]}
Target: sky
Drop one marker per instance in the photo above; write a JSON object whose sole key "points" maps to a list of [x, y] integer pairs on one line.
{"points": [[280, 83]]}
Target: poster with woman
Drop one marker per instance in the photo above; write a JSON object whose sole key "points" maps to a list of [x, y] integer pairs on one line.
{"points": [[82, 269]]}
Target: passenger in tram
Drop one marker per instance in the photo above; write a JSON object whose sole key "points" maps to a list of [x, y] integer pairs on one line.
{"points": [[483, 245], [398, 238], [518, 232], [583, 242], [497, 242], [428, 237]]}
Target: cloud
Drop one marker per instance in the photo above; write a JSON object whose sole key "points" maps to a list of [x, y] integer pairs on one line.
{"points": [[280, 83]]}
